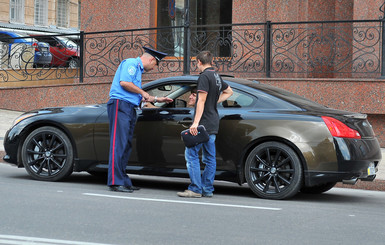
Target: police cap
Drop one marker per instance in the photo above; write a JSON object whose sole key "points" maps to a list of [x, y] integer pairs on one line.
{"points": [[157, 54]]}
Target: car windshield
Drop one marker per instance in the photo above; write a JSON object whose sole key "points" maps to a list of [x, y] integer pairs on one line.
{"points": [[67, 42]]}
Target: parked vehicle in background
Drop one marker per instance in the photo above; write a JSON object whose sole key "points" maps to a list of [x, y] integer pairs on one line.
{"points": [[42, 54], [65, 52]]}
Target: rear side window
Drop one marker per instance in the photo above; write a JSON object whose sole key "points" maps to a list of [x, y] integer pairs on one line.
{"points": [[238, 100], [259, 100]]}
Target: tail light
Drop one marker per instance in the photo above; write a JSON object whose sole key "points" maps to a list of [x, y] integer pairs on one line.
{"points": [[339, 129], [35, 46]]}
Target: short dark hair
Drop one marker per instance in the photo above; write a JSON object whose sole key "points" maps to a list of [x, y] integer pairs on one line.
{"points": [[194, 90], [205, 57]]}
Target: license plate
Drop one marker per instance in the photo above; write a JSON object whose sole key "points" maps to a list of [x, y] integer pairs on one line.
{"points": [[371, 169]]}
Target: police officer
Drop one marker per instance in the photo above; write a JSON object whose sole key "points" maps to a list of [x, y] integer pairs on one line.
{"points": [[125, 95]]}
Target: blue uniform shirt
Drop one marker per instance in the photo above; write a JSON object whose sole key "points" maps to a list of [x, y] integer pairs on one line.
{"points": [[130, 70]]}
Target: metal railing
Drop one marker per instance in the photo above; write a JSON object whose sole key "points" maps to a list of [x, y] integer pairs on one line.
{"points": [[25, 58], [290, 49]]}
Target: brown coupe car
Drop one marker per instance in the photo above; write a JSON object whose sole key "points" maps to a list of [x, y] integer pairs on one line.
{"points": [[276, 141]]}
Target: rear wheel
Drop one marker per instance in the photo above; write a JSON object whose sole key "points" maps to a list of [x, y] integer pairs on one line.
{"points": [[273, 171], [47, 154]]}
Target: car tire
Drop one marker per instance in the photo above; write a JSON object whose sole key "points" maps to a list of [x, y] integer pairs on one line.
{"points": [[318, 188], [47, 154], [73, 63], [273, 171]]}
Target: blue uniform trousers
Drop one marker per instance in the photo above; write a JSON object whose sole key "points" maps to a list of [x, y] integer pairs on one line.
{"points": [[122, 117]]}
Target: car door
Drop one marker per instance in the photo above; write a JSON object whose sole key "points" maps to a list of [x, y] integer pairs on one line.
{"points": [[157, 142]]}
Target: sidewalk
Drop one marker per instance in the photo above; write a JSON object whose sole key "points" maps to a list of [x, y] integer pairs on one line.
{"points": [[7, 117], [6, 120]]}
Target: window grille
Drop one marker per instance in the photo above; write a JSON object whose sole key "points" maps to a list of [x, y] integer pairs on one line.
{"points": [[41, 12], [62, 13], [16, 11]]}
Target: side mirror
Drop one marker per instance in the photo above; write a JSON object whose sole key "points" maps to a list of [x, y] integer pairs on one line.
{"points": [[165, 88]]}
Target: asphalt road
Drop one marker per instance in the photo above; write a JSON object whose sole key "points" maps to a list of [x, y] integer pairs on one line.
{"points": [[82, 211]]}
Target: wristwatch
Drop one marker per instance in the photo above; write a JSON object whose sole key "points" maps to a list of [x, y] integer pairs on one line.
{"points": [[156, 97]]}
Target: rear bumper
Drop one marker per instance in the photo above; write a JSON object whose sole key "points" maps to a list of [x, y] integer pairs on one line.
{"points": [[354, 158], [43, 58]]}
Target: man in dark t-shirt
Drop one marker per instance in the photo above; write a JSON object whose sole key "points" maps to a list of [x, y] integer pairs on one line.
{"points": [[211, 90]]}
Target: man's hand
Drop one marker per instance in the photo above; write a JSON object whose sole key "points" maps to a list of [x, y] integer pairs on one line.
{"points": [[194, 129], [145, 96], [158, 99], [165, 99]]}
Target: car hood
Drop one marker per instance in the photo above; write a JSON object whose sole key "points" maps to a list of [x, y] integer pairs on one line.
{"points": [[70, 114]]}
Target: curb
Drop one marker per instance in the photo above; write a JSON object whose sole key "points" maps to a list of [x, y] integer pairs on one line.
{"points": [[376, 185]]}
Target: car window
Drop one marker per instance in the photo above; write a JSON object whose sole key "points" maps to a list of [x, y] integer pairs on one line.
{"points": [[52, 42], [178, 92], [67, 42], [239, 99]]}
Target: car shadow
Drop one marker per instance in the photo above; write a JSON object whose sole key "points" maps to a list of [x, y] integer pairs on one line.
{"points": [[175, 184]]}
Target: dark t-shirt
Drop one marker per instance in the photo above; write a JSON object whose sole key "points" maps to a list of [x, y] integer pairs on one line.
{"points": [[211, 83]]}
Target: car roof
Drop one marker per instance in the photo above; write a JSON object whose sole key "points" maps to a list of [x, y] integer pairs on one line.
{"points": [[19, 36]]}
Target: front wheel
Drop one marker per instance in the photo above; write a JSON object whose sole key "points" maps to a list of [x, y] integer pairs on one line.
{"points": [[47, 154], [73, 63], [273, 171]]}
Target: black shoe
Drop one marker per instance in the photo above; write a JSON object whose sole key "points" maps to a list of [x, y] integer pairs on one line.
{"points": [[133, 188], [120, 188]]}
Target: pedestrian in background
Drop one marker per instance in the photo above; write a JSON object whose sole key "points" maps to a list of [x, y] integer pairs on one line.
{"points": [[126, 94], [211, 90]]}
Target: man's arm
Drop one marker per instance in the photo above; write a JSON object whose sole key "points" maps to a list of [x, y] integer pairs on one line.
{"points": [[198, 113], [225, 94], [131, 87]]}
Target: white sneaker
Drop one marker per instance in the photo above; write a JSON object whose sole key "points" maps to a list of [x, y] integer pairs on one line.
{"points": [[188, 193]]}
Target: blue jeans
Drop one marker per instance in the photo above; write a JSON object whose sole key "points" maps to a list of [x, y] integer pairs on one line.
{"points": [[202, 183]]}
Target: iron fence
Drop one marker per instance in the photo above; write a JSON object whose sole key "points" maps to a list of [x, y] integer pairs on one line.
{"points": [[290, 49], [36, 58]]}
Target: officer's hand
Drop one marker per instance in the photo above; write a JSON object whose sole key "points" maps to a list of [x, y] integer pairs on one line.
{"points": [[145, 96]]}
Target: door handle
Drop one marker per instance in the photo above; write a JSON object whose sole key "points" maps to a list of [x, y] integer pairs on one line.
{"points": [[185, 122]]}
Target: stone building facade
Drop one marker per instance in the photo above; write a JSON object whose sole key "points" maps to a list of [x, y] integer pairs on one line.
{"points": [[58, 16]]}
